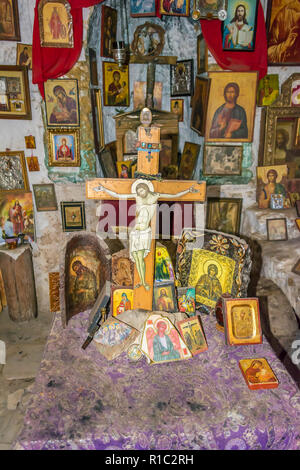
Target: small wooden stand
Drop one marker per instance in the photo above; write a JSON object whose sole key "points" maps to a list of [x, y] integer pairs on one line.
{"points": [[18, 277]]}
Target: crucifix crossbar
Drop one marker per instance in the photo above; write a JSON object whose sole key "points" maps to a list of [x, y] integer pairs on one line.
{"points": [[146, 193]]}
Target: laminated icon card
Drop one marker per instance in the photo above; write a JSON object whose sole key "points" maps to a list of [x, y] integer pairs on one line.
{"points": [[258, 373], [161, 341], [114, 337], [242, 321]]}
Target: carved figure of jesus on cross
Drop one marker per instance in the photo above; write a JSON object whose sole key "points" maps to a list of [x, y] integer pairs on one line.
{"points": [[146, 193]]}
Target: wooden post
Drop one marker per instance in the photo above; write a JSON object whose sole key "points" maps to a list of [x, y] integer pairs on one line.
{"points": [[18, 277]]}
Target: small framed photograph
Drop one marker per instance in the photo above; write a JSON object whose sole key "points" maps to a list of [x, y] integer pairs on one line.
{"points": [[202, 55], [297, 221], [242, 321], [222, 160], [13, 173], [192, 333], [182, 78], [15, 100], [186, 300], [63, 147], [224, 214], [164, 299], [174, 7], [115, 84], [108, 30], [277, 229], [177, 107], [9, 21], [199, 105], [239, 28], [33, 163], [296, 268], [297, 205], [188, 160], [62, 103], [268, 90], [24, 55], [209, 9], [56, 24], [139, 8], [258, 373], [45, 197], [73, 216]]}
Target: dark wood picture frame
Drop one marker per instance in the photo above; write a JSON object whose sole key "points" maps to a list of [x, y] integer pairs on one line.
{"points": [[45, 208], [297, 205], [108, 12], [22, 71], [199, 105], [188, 91], [209, 215], [16, 24], [269, 229], [202, 55], [68, 227]]}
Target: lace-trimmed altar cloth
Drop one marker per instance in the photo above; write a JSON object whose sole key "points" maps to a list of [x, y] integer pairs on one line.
{"points": [[82, 401]]}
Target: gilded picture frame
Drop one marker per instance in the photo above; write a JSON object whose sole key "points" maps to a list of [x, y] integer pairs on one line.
{"points": [[15, 100], [273, 116], [73, 216], [242, 321], [55, 24], [13, 172], [240, 89], [10, 26], [62, 102], [208, 9], [218, 210], [24, 55], [172, 8], [115, 85], [69, 140]]}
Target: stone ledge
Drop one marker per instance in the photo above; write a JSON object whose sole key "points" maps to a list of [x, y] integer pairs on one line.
{"points": [[255, 226]]}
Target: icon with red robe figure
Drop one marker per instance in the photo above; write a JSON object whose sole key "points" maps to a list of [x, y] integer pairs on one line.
{"points": [[64, 148], [58, 30]]}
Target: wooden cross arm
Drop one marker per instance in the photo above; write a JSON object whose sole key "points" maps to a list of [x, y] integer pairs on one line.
{"points": [[118, 185], [123, 186], [162, 60]]}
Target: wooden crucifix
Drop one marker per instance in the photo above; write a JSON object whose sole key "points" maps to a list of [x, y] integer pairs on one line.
{"points": [[146, 193]]}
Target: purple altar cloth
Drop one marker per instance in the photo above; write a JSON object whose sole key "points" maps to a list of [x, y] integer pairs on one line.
{"points": [[82, 401]]}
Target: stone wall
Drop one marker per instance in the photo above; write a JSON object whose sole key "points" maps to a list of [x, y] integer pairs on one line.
{"points": [[181, 36]]}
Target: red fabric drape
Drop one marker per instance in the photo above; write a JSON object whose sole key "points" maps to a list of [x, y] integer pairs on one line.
{"points": [[238, 61], [53, 62]]}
